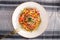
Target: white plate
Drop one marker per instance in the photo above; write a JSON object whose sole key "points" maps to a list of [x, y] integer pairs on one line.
{"points": [[43, 15]]}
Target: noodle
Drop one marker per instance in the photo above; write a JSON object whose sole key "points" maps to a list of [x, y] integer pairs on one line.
{"points": [[29, 19]]}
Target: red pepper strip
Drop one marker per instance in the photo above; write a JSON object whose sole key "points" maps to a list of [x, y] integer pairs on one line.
{"points": [[21, 19]]}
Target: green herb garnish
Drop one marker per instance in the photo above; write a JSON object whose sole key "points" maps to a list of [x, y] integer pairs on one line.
{"points": [[29, 19]]}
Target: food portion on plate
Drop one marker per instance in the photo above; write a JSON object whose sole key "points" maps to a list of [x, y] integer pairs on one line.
{"points": [[29, 19]]}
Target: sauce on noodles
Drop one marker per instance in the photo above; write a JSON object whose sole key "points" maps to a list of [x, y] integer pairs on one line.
{"points": [[29, 19]]}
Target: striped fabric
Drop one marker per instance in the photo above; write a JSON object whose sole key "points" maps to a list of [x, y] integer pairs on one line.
{"points": [[52, 32]]}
